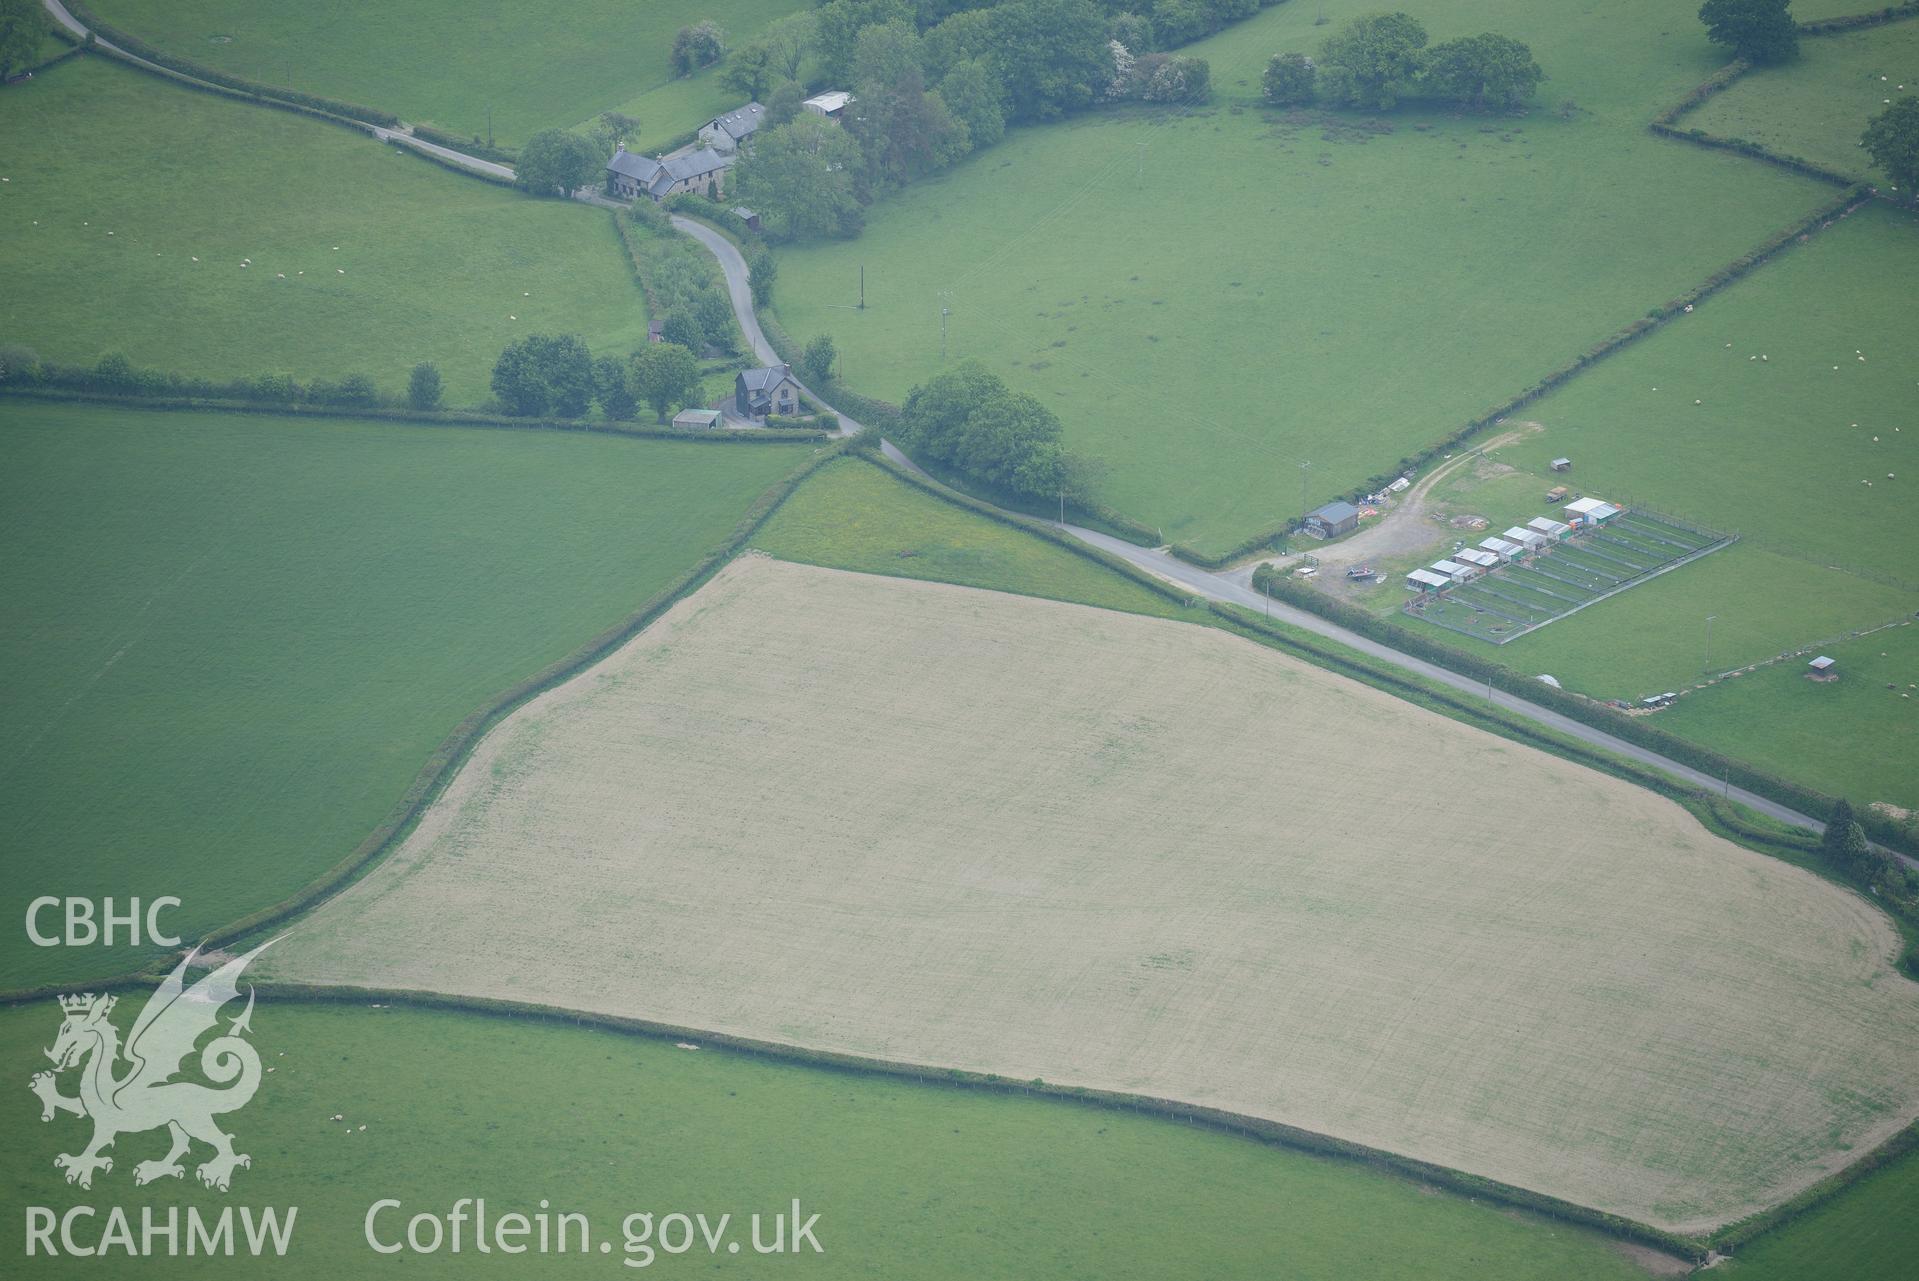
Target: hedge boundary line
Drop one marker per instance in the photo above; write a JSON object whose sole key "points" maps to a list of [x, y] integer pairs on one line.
{"points": [[452, 752], [466, 146], [1666, 123], [1588, 711], [1040, 529], [1276, 1133], [1856, 194], [295, 98], [421, 417]]}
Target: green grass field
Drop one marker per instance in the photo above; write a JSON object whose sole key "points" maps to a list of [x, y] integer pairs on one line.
{"points": [[1208, 301], [1854, 737], [231, 641], [909, 1180], [1816, 107], [437, 267], [1780, 450], [1867, 1231], [853, 515], [449, 62]]}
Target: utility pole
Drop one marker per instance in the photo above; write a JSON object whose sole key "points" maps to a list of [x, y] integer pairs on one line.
{"points": [[489, 126], [1305, 486], [945, 311], [1709, 619], [862, 286], [1062, 508]]}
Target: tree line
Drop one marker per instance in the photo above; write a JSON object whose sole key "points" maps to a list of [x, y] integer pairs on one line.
{"points": [[115, 375], [556, 376], [1377, 61]]}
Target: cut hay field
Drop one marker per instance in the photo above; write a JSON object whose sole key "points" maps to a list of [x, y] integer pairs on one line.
{"points": [[436, 266], [854, 515], [1038, 839], [910, 1181], [449, 61], [1780, 450], [1817, 106], [1209, 300], [230, 642]]}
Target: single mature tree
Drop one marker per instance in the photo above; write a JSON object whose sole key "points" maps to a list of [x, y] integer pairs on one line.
{"points": [[1844, 839], [973, 96], [762, 272], [682, 329], [750, 70], [1177, 22], [1892, 140], [1756, 30], [1289, 80], [23, 29], [784, 103], [966, 417], [1366, 62], [1486, 71], [801, 179], [789, 40], [545, 374], [964, 37], [816, 362], [18, 363], [1173, 77], [714, 312], [614, 128], [423, 386], [1051, 56], [664, 375], [838, 31], [700, 45], [611, 388], [557, 162]]}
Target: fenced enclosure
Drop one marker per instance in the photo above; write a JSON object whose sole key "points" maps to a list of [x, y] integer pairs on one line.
{"points": [[1523, 596]]}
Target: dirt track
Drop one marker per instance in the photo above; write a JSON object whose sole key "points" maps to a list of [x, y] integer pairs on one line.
{"points": [[1043, 840]]}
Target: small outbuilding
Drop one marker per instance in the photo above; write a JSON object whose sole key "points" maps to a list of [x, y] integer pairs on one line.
{"points": [[1553, 529], [1531, 539], [1562, 464], [1332, 520], [1453, 571], [1823, 669], [1424, 580], [831, 104], [747, 216], [1591, 511], [1503, 548], [698, 419], [1476, 556]]}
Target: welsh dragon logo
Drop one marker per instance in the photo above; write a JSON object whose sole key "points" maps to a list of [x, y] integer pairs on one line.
{"points": [[146, 1096]]}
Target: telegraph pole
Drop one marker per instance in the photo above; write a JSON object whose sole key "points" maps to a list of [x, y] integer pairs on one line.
{"points": [[1709, 619], [945, 311], [862, 286], [1305, 486], [489, 126]]}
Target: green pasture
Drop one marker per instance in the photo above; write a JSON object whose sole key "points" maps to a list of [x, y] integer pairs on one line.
{"points": [[1816, 107], [1866, 1231], [436, 266], [231, 641], [449, 62], [1856, 737], [852, 515], [1807, 451], [1212, 299], [909, 1180]]}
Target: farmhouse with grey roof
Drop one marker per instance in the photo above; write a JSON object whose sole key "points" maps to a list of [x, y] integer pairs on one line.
{"points": [[728, 132], [630, 173], [759, 392]]}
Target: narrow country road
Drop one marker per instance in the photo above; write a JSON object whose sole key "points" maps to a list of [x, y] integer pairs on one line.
{"points": [[1219, 587], [1211, 586]]}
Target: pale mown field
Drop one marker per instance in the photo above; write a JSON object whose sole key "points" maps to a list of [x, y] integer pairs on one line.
{"points": [[1038, 839]]}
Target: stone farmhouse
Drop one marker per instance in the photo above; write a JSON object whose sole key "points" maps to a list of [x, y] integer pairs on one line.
{"points": [[633, 175], [759, 392], [732, 132]]}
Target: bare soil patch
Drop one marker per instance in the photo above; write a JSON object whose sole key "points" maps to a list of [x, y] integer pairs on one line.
{"points": [[939, 825]]}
